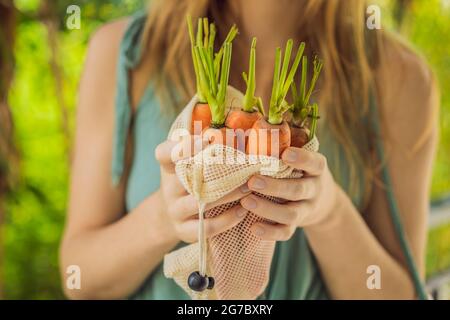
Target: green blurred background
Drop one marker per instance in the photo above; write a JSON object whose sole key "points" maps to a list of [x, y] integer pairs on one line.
{"points": [[48, 60]]}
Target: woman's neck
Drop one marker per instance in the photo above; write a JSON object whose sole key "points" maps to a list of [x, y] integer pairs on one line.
{"points": [[272, 22]]}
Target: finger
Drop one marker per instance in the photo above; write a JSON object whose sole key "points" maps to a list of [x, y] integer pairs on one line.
{"points": [[172, 186], [168, 152], [163, 151], [187, 206], [163, 155], [288, 213], [274, 232], [235, 195], [312, 163], [189, 147], [288, 189], [213, 226]]}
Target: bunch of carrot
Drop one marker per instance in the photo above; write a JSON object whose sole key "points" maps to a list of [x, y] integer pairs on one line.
{"points": [[248, 129]]}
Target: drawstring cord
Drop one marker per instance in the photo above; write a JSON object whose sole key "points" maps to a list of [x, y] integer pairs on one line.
{"points": [[199, 280], [203, 247]]}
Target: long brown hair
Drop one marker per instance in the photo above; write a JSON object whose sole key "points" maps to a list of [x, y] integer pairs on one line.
{"points": [[335, 30]]}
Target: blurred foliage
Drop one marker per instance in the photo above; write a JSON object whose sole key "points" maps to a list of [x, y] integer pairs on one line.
{"points": [[429, 27], [36, 207], [438, 253], [426, 25]]}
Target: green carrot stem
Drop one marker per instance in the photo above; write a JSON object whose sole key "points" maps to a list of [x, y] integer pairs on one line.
{"points": [[286, 60], [209, 69], [228, 39], [245, 77], [290, 78], [314, 118], [259, 106], [231, 34], [199, 32], [276, 76], [249, 98], [303, 79], [317, 69], [206, 32], [204, 81], [212, 36], [200, 94], [301, 108], [299, 96], [294, 92], [282, 82], [224, 78]]}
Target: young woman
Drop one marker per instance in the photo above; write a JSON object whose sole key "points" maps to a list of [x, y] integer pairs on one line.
{"points": [[378, 136]]}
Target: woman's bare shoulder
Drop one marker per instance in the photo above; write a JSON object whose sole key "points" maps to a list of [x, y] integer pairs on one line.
{"points": [[408, 93], [98, 82], [105, 41]]}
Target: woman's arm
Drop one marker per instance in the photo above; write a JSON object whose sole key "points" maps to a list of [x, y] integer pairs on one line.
{"points": [[344, 243], [117, 251], [409, 107]]}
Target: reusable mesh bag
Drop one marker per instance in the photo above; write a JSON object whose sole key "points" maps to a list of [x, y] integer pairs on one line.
{"points": [[238, 260]]}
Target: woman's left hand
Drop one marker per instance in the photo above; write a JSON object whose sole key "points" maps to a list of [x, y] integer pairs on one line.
{"points": [[310, 199]]}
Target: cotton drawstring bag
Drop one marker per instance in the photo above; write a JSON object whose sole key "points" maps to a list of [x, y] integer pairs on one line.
{"points": [[237, 259]]}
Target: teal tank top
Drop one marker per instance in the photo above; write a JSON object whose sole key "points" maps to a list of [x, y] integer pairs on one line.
{"points": [[294, 272]]}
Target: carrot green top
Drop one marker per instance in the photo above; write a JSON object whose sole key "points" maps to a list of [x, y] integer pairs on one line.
{"points": [[250, 101], [301, 107], [211, 69], [282, 81]]}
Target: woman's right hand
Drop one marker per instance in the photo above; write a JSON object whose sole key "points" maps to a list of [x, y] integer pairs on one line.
{"points": [[181, 208]]}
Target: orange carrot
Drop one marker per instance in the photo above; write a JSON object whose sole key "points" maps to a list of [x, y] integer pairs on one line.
{"points": [[299, 136], [201, 118], [221, 135], [241, 121], [269, 139]]}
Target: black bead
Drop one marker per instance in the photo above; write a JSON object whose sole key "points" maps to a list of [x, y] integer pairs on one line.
{"points": [[210, 283], [197, 282]]}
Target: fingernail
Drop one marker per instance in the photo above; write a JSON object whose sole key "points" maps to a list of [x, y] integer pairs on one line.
{"points": [[244, 188], [259, 231], [241, 212], [290, 156], [249, 203], [258, 183]]}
